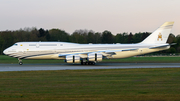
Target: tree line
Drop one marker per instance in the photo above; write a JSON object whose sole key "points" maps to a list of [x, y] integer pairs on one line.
{"points": [[8, 38]]}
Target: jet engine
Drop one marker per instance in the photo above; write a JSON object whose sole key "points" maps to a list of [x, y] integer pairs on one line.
{"points": [[95, 57], [72, 59]]}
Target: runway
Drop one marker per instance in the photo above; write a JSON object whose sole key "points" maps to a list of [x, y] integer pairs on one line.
{"points": [[63, 66]]}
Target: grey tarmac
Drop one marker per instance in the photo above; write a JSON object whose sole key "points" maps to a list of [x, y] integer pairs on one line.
{"points": [[64, 66]]}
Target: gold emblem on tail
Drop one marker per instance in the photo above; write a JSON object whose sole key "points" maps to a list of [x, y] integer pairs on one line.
{"points": [[159, 37]]}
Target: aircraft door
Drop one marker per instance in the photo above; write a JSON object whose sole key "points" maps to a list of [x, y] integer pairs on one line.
{"points": [[24, 51], [21, 50], [37, 45]]}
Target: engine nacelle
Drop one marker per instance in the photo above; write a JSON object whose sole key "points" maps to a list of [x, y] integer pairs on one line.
{"points": [[73, 59], [95, 57]]}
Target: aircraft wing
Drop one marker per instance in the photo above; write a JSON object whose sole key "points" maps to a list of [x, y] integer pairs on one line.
{"points": [[113, 51], [159, 47], [163, 46], [103, 52]]}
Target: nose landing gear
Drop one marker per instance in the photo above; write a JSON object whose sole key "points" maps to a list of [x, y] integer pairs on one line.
{"points": [[20, 61]]}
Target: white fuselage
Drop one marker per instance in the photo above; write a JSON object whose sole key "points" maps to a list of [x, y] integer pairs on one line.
{"points": [[53, 50]]}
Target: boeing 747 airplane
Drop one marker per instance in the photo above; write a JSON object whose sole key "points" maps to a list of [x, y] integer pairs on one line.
{"points": [[90, 53]]}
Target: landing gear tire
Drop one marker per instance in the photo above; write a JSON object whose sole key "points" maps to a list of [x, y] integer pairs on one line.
{"points": [[20, 63], [84, 63], [87, 63], [91, 63]]}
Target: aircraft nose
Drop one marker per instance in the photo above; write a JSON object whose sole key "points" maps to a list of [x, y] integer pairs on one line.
{"points": [[5, 51]]}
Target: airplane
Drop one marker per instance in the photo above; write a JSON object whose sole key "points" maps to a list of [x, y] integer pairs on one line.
{"points": [[89, 54]]}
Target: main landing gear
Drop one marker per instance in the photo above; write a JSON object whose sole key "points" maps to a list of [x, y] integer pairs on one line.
{"points": [[88, 63], [20, 61]]}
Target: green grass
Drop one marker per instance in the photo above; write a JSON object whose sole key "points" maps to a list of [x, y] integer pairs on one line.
{"points": [[7, 59], [11, 60], [162, 84]]}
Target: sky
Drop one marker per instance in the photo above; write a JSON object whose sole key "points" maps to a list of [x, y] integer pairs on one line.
{"points": [[116, 16]]}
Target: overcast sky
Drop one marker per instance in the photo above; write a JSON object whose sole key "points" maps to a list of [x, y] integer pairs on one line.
{"points": [[117, 16]]}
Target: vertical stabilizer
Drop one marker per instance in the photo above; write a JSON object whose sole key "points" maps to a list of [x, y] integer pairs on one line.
{"points": [[161, 35]]}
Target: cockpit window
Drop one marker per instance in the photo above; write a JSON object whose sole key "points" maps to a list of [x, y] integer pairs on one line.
{"points": [[15, 45]]}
